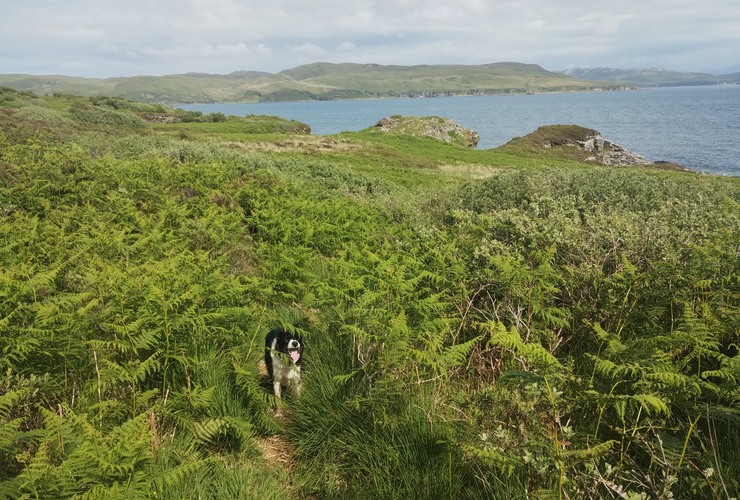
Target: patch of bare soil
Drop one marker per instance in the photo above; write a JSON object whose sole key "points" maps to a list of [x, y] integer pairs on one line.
{"points": [[306, 144], [471, 170], [277, 451]]}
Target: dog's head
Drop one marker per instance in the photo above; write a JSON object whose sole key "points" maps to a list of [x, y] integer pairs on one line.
{"points": [[292, 345]]}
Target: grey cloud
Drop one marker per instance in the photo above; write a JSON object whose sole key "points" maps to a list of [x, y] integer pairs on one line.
{"points": [[306, 49], [111, 38]]}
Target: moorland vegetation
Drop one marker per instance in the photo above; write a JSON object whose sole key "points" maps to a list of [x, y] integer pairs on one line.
{"points": [[508, 323]]}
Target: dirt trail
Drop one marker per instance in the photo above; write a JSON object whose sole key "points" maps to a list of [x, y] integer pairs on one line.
{"points": [[277, 451]]}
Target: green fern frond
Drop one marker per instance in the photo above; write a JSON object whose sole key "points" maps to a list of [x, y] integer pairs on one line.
{"points": [[188, 467], [614, 345], [533, 353], [593, 452], [206, 431], [506, 462], [343, 379], [652, 404], [457, 354]]}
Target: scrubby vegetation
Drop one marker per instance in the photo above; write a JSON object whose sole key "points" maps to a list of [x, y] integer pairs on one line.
{"points": [[11, 98], [480, 324], [251, 124], [199, 117]]}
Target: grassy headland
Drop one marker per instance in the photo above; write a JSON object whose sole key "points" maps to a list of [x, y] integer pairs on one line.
{"points": [[480, 324], [318, 81]]}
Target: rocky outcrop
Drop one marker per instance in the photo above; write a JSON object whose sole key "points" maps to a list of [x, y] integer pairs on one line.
{"points": [[610, 153], [577, 143], [157, 118], [572, 142], [443, 129]]}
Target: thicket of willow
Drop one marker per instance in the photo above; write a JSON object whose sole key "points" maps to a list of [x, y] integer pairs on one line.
{"points": [[540, 333]]}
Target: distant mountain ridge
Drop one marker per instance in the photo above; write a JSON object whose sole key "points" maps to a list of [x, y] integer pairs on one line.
{"points": [[651, 77], [320, 81]]}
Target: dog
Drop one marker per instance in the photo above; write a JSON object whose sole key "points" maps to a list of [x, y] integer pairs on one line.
{"points": [[283, 355]]}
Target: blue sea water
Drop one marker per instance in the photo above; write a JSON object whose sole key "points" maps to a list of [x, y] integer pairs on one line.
{"points": [[698, 127]]}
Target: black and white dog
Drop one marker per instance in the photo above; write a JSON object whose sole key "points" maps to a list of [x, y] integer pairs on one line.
{"points": [[283, 354]]}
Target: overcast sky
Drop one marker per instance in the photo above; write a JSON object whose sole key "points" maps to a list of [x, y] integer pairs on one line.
{"points": [[105, 38]]}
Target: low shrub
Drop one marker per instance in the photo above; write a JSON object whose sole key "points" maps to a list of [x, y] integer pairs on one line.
{"points": [[199, 117], [38, 113], [100, 116], [11, 98], [116, 103]]}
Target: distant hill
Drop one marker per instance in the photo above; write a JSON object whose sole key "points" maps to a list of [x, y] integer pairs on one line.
{"points": [[651, 77], [319, 81], [727, 70]]}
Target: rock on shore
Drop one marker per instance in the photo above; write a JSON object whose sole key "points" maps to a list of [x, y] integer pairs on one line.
{"points": [[577, 143], [443, 129], [610, 153]]}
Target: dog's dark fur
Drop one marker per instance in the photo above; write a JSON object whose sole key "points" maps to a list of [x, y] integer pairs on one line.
{"points": [[283, 356]]}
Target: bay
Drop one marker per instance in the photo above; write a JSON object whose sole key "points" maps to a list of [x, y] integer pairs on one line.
{"points": [[698, 127]]}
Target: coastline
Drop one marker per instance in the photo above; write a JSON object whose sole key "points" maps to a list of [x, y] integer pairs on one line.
{"points": [[507, 92], [655, 123]]}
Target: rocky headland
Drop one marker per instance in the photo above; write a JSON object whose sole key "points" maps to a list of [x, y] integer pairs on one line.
{"points": [[609, 153], [583, 144]]}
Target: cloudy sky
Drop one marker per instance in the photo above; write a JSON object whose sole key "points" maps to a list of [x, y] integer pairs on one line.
{"points": [[105, 38]]}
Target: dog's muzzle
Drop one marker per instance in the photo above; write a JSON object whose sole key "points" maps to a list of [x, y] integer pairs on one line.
{"points": [[294, 350]]}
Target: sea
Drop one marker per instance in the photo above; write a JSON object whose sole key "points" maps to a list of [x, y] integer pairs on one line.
{"points": [[697, 127]]}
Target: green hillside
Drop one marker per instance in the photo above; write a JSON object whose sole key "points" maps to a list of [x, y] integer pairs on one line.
{"points": [[319, 81], [652, 77], [499, 324]]}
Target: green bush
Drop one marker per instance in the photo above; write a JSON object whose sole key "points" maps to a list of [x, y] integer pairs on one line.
{"points": [[216, 117], [43, 114], [192, 116], [12, 98], [100, 116], [199, 117], [266, 124], [115, 103], [11, 93]]}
